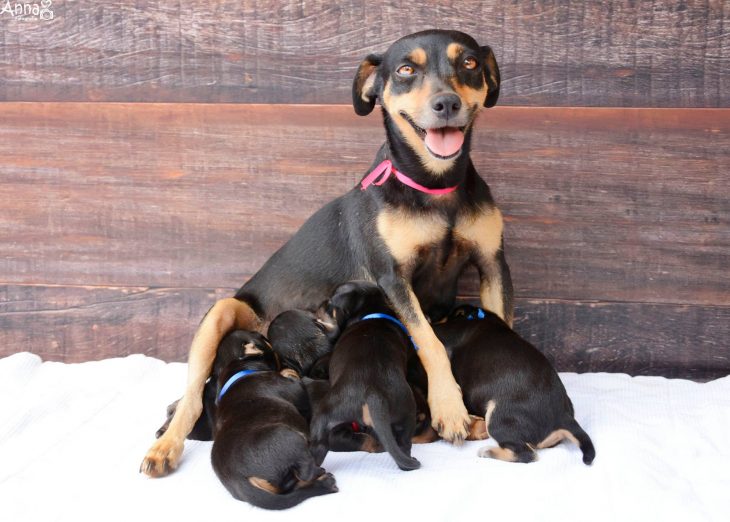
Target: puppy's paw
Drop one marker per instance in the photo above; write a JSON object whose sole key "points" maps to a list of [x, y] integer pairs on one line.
{"points": [[162, 458], [328, 482], [448, 413], [484, 452]]}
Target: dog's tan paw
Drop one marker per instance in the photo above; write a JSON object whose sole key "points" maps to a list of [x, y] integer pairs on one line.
{"points": [[161, 459], [448, 415]]}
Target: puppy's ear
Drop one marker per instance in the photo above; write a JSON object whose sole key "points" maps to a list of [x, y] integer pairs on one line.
{"points": [[491, 76], [364, 86]]}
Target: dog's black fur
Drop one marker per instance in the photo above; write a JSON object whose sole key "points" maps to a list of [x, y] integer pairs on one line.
{"points": [[493, 363], [261, 448], [414, 245], [368, 377]]}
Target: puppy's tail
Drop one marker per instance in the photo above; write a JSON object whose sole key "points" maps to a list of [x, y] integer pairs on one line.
{"points": [[584, 441], [384, 430]]}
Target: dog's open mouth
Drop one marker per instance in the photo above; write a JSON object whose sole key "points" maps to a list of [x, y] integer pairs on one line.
{"points": [[443, 143]]}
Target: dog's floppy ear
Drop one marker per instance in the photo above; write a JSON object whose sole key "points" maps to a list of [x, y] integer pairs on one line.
{"points": [[491, 75], [364, 86]]}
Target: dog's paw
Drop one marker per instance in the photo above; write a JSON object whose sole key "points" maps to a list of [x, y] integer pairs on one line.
{"points": [[448, 414], [328, 481], [162, 458], [485, 452]]}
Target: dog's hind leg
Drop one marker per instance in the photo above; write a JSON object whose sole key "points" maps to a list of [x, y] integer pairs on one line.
{"points": [[224, 316], [510, 452]]}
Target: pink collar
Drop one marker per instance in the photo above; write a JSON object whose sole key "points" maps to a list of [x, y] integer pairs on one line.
{"points": [[385, 169]]}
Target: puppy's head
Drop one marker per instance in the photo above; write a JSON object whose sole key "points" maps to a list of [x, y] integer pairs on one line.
{"points": [[300, 338], [354, 299], [467, 312], [431, 86], [244, 349]]}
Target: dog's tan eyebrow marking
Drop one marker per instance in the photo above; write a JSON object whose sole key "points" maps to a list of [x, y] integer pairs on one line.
{"points": [[417, 56], [453, 51]]}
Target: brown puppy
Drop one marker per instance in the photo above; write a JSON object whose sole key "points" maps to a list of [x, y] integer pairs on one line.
{"points": [[413, 233]]}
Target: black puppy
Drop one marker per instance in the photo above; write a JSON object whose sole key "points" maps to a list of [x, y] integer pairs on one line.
{"points": [[368, 375], [301, 337], [261, 449], [509, 382]]}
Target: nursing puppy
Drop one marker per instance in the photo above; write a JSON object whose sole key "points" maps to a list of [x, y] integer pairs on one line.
{"points": [[367, 372], [260, 448], [509, 382]]}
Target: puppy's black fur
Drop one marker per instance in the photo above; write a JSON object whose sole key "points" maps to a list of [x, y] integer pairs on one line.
{"points": [[301, 337], [261, 449], [512, 384], [368, 377]]}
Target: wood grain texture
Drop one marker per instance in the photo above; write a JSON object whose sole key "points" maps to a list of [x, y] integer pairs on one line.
{"points": [[623, 205], [75, 324], [570, 53]]}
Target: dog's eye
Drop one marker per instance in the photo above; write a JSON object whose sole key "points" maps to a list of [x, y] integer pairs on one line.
{"points": [[406, 70], [470, 63]]}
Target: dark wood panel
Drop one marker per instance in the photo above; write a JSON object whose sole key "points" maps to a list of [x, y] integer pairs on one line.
{"points": [[601, 204], [74, 324], [570, 53]]}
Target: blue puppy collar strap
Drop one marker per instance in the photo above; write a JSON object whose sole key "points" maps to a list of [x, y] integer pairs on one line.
{"points": [[232, 380], [392, 320], [480, 314]]}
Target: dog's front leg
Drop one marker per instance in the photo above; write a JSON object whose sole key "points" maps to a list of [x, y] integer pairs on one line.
{"points": [[495, 284], [225, 315], [448, 414]]}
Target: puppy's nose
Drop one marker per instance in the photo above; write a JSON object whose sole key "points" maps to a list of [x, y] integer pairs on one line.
{"points": [[446, 105]]}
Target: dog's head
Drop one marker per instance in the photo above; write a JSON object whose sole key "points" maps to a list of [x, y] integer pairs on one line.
{"points": [[431, 86], [354, 299]]}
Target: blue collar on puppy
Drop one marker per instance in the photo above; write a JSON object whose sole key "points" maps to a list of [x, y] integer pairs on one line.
{"points": [[480, 314], [392, 320], [232, 380]]}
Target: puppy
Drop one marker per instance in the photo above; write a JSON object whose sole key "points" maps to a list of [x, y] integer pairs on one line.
{"points": [[367, 372], [509, 382], [260, 448], [301, 338]]}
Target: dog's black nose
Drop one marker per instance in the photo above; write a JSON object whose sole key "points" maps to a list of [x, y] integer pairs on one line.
{"points": [[446, 105]]}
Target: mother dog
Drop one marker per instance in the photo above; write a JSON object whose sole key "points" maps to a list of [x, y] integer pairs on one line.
{"points": [[412, 225]]}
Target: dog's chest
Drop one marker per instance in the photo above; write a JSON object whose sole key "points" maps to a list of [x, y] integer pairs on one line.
{"points": [[412, 237]]}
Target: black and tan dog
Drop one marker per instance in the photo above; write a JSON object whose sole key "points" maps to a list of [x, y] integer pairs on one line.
{"points": [[512, 385], [367, 372], [260, 439], [412, 233]]}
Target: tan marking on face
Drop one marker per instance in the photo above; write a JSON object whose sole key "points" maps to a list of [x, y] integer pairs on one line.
{"points": [[289, 373], [417, 56], [478, 429], [252, 349], [453, 51], [556, 437], [472, 98], [367, 420], [491, 406], [412, 103], [404, 233], [483, 231]]}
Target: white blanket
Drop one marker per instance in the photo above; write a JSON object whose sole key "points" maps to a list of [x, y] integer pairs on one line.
{"points": [[72, 437]]}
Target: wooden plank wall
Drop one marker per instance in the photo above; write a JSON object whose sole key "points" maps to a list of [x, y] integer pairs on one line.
{"points": [[121, 223]]}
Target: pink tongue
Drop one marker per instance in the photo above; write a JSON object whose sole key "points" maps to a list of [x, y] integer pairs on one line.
{"points": [[445, 141]]}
